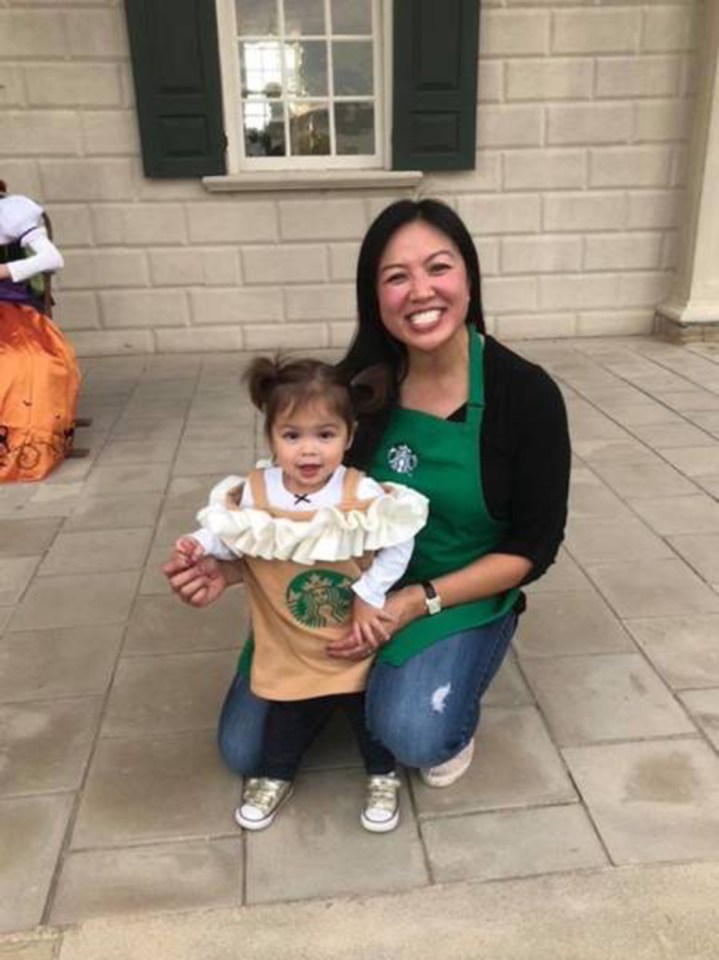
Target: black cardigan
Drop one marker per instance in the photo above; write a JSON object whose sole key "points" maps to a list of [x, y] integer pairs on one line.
{"points": [[525, 455]]}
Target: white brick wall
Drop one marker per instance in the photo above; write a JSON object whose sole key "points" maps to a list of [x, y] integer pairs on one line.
{"points": [[584, 112]]}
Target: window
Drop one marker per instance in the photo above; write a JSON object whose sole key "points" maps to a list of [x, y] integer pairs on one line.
{"points": [[244, 86], [302, 82]]}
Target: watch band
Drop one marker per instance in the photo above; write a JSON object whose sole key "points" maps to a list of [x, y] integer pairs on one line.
{"points": [[432, 600]]}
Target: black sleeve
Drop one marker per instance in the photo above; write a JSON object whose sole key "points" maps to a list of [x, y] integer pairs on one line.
{"points": [[525, 457]]}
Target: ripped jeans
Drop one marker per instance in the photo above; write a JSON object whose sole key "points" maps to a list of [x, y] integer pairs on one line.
{"points": [[424, 712]]}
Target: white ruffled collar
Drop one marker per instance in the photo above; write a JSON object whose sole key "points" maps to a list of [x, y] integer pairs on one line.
{"points": [[328, 534]]}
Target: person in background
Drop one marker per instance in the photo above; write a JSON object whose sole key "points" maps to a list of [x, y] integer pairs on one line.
{"points": [[39, 375]]}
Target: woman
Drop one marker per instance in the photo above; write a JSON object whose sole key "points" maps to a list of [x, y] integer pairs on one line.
{"points": [[483, 434], [39, 378]]}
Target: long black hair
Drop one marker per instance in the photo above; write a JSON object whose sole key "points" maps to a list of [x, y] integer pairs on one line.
{"points": [[372, 345]]}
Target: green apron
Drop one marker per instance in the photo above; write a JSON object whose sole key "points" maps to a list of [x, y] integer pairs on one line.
{"points": [[442, 459]]}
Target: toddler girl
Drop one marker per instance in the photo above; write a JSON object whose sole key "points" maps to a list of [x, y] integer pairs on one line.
{"points": [[320, 546]]}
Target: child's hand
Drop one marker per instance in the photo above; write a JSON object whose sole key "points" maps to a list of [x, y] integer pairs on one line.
{"points": [[368, 626], [189, 550]]}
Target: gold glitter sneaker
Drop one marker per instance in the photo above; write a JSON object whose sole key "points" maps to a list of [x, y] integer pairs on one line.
{"points": [[261, 799], [381, 811]]}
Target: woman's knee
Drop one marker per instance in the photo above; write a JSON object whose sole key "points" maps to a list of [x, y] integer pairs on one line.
{"points": [[417, 738]]}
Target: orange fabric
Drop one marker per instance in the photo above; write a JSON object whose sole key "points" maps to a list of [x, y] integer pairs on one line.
{"points": [[39, 384], [296, 610]]}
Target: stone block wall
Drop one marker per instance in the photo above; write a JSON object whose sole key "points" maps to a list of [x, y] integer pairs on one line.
{"points": [[584, 114]]}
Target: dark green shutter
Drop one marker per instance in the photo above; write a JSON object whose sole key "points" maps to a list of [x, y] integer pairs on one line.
{"points": [[177, 81], [436, 44]]}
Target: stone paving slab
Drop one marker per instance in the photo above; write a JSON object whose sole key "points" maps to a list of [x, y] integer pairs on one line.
{"points": [[651, 800], [599, 540], [701, 552], [15, 574], [76, 601], [82, 661], [703, 705], [617, 697], [649, 913], [154, 788], [19, 538], [659, 588], [512, 843], [96, 551], [684, 650], [569, 623], [32, 830], [167, 694], [46, 744], [599, 737], [160, 625], [149, 879]]}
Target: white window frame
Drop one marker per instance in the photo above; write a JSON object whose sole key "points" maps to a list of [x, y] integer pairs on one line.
{"points": [[240, 165]]}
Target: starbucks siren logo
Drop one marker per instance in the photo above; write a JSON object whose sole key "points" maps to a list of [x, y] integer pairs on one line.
{"points": [[402, 458], [320, 598]]}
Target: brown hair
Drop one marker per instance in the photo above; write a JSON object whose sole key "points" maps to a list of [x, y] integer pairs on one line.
{"points": [[278, 384]]}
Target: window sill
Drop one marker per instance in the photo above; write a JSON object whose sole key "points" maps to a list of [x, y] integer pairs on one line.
{"points": [[311, 180]]}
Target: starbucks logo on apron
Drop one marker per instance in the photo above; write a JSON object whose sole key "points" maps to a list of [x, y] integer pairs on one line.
{"points": [[402, 458], [320, 598]]}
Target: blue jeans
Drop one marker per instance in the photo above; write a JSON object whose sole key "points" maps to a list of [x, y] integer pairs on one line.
{"points": [[424, 711]]}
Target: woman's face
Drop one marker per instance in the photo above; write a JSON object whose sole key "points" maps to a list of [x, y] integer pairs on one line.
{"points": [[422, 287]]}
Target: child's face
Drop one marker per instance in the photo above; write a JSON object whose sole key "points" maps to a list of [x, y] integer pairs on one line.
{"points": [[308, 444]]}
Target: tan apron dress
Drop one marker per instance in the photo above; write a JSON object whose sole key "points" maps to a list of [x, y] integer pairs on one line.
{"points": [[297, 610]]}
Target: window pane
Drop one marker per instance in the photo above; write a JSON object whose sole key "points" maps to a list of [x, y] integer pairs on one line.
{"points": [[256, 17], [354, 128], [306, 66], [264, 128], [352, 16], [352, 68], [304, 16], [309, 129], [261, 68]]}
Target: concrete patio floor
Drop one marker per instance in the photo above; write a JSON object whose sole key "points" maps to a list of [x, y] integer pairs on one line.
{"points": [[598, 746]]}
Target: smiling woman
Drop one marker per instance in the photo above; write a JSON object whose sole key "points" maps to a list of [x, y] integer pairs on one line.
{"points": [[483, 435]]}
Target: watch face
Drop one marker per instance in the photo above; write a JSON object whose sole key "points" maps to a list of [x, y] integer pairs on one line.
{"points": [[434, 604]]}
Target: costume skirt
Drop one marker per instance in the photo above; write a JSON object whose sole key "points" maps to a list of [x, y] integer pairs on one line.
{"points": [[39, 384]]}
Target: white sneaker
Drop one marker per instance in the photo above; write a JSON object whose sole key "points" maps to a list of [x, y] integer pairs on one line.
{"points": [[445, 774], [381, 812], [261, 799]]}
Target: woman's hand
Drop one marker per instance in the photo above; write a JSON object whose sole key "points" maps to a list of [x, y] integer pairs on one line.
{"points": [[406, 605], [400, 608], [199, 582]]}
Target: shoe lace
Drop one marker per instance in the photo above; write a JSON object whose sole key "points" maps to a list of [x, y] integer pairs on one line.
{"points": [[382, 792], [263, 792]]}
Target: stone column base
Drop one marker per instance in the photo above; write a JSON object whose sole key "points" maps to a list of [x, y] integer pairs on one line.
{"points": [[686, 324]]}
